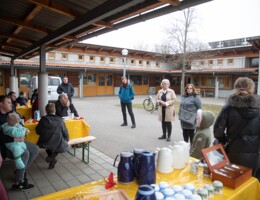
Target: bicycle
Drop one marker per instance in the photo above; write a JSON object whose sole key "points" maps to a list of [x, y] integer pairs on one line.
{"points": [[150, 104]]}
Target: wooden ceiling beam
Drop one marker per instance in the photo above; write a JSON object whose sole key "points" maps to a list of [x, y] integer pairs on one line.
{"points": [[11, 46], [172, 2], [103, 24], [17, 37], [26, 25], [55, 7]]}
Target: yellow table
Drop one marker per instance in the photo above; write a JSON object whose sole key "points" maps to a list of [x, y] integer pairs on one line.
{"points": [[250, 190], [76, 129], [25, 111]]}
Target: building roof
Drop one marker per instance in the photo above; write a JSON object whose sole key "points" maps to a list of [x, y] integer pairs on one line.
{"points": [[147, 70], [27, 25]]}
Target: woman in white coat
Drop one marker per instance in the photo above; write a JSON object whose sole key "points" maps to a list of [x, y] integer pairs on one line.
{"points": [[165, 99]]}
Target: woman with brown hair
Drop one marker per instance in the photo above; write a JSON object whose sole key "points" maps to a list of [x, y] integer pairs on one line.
{"points": [[238, 124], [190, 102]]}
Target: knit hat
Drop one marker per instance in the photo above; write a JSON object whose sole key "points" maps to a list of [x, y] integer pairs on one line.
{"points": [[13, 119]]}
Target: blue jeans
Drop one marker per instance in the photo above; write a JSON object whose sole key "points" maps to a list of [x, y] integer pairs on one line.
{"points": [[28, 156]]}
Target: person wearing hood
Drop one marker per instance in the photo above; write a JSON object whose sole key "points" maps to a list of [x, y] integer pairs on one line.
{"points": [[53, 135], [239, 124], [202, 137], [66, 87]]}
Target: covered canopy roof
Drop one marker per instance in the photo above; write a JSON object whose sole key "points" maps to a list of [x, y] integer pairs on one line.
{"points": [[28, 24]]}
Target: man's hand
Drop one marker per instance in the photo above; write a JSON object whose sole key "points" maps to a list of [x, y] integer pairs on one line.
{"points": [[20, 139]]}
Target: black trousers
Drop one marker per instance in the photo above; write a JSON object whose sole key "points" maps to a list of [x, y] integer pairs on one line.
{"points": [[130, 112], [166, 126], [188, 134]]}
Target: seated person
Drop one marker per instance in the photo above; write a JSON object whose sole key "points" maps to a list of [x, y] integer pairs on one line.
{"points": [[22, 100], [12, 96], [29, 155], [14, 129], [63, 106], [202, 137], [53, 134], [35, 105], [34, 95]]}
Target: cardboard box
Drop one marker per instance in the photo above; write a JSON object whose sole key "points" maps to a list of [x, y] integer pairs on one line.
{"points": [[231, 175]]}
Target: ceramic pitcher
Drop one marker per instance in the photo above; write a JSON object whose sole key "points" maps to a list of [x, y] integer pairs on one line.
{"points": [[164, 160]]}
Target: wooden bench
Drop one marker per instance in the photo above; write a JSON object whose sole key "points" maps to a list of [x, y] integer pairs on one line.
{"points": [[84, 141]]}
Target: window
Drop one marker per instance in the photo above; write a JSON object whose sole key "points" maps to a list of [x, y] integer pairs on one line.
{"points": [[51, 55], [210, 62], [80, 57], [157, 64], [109, 80], [136, 80], [225, 82], [64, 56], [89, 79], [91, 58], [140, 62], [202, 62], [148, 63], [230, 61], [102, 79], [220, 62], [211, 82], [132, 61], [112, 60], [25, 78], [53, 82], [145, 80], [102, 59]]}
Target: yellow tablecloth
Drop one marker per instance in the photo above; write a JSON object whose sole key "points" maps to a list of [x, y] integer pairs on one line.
{"points": [[25, 111], [76, 129], [250, 190]]}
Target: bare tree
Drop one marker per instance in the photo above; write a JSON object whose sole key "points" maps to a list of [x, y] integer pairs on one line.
{"points": [[180, 48]]}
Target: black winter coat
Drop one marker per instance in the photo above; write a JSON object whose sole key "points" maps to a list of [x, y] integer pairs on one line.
{"points": [[245, 143], [53, 133], [62, 111]]}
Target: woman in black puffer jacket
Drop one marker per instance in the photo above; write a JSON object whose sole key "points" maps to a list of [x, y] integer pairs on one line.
{"points": [[239, 122]]}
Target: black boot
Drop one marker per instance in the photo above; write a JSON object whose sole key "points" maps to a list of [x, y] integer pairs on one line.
{"points": [[162, 137], [169, 137]]}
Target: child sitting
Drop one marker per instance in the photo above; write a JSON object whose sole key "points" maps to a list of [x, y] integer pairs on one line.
{"points": [[14, 129], [202, 137]]}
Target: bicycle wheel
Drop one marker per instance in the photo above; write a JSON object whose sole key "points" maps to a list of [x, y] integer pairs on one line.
{"points": [[148, 105]]}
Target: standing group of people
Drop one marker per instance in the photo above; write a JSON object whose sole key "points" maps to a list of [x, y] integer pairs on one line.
{"points": [[238, 123]]}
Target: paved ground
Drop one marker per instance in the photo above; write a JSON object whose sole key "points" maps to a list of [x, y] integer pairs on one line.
{"points": [[104, 116]]}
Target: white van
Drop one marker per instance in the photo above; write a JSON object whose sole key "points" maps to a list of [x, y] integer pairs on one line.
{"points": [[53, 83]]}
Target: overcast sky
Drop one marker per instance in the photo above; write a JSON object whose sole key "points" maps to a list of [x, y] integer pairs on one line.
{"points": [[218, 20]]}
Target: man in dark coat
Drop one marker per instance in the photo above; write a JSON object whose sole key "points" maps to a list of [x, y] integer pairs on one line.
{"points": [[29, 155], [53, 135], [239, 123], [66, 87], [64, 107]]}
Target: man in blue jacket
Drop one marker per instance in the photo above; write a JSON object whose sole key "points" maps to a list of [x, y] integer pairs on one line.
{"points": [[126, 95]]}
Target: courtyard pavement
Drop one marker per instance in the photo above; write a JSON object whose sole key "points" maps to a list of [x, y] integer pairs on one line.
{"points": [[104, 116]]}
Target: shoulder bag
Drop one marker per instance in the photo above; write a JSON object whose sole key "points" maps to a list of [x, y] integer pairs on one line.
{"points": [[187, 116]]}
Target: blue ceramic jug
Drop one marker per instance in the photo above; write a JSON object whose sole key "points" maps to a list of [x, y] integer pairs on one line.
{"points": [[145, 192], [137, 155], [146, 173], [125, 170]]}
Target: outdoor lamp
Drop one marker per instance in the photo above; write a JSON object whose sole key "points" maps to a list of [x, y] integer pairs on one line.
{"points": [[124, 53]]}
